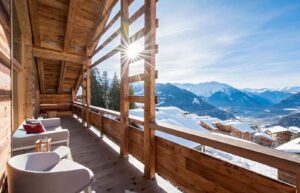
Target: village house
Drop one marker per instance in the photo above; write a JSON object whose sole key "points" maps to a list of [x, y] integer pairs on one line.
{"points": [[263, 139], [280, 134], [236, 129], [208, 123]]}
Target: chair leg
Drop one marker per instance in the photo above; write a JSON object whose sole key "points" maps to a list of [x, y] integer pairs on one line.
{"points": [[88, 189]]}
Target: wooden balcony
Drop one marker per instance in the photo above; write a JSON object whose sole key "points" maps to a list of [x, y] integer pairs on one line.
{"points": [[101, 155], [54, 43], [188, 169]]}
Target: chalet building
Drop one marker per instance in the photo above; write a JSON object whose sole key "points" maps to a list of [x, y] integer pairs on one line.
{"points": [[47, 51], [295, 132], [209, 123], [263, 139], [236, 129], [280, 134]]}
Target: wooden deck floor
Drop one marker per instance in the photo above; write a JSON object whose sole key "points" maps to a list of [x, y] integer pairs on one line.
{"points": [[112, 173]]}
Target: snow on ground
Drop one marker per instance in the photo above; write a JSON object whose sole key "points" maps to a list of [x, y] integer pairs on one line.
{"points": [[174, 116], [277, 129], [178, 117], [295, 129], [243, 162], [291, 146]]}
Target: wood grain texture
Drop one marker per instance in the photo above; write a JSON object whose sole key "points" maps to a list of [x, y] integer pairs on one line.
{"points": [[124, 85], [149, 87], [5, 90], [198, 172]]}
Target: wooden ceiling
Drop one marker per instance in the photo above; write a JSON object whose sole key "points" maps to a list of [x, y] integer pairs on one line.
{"points": [[64, 35]]}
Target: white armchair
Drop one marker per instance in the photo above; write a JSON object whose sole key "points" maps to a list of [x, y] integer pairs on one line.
{"points": [[46, 173]]}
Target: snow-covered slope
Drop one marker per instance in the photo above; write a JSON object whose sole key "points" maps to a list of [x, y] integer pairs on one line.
{"points": [[178, 117], [174, 116], [205, 89], [291, 146]]}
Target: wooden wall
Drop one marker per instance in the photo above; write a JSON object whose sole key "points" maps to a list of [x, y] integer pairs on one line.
{"points": [[5, 89], [189, 169], [62, 103]]}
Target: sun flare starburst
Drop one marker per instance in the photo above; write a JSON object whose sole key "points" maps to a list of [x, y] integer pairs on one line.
{"points": [[133, 51]]}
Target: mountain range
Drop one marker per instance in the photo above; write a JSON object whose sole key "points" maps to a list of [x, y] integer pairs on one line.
{"points": [[170, 95], [220, 97], [237, 101]]}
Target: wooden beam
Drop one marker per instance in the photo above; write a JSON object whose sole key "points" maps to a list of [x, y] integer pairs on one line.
{"points": [[61, 78], [40, 65], [149, 88], [124, 104], [136, 99], [271, 157], [55, 55], [24, 19], [107, 41], [99, 25], [137, 14], [98, 33], [33, 10], [132, 19], [137, 35], [139, 77], [79, 80], [105, 57], [70, 24]]}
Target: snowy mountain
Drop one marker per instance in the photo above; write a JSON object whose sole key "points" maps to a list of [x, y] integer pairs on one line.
{"points": [[238, 101], [170, 95], [290, 120], [273, 95], [205, 89], [291, 89], [288, 105]]}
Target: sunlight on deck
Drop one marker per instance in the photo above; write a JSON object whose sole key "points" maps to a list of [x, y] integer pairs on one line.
{"points": [[112, 173]]}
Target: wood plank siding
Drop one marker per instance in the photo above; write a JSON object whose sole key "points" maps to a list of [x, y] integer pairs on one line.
{"points": [[5, 88]]}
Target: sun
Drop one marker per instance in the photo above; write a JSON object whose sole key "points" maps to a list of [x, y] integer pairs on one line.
{"points": [[133, 51]]}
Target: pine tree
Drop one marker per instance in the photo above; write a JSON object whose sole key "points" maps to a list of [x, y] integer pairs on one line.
{"points": [[131, 93], [114, 94], [96, 89], [105, 84]]}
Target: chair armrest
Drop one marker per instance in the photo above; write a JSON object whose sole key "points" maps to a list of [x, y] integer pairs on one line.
{"points": [[52, 122]]}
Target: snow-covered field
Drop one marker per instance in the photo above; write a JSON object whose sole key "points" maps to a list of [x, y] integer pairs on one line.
{"points": [[178, 117]]}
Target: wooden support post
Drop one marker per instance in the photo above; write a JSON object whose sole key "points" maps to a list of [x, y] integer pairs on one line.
{"points": [[84, 86], [88, 93], [124, 104], [101, 126], [298, 182], [149, 88]]}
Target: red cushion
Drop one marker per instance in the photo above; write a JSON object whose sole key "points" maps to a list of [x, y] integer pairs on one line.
{"points": [[34, 128]]}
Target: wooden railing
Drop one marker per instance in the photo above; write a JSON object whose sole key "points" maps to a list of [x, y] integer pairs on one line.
{"points": [[195, 171]]}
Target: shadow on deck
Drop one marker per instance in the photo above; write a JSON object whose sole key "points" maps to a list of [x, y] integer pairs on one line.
{"points": [[112, 173]]}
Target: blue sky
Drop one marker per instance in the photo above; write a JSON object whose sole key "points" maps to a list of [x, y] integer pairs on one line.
{"points": [[243, 43]]}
